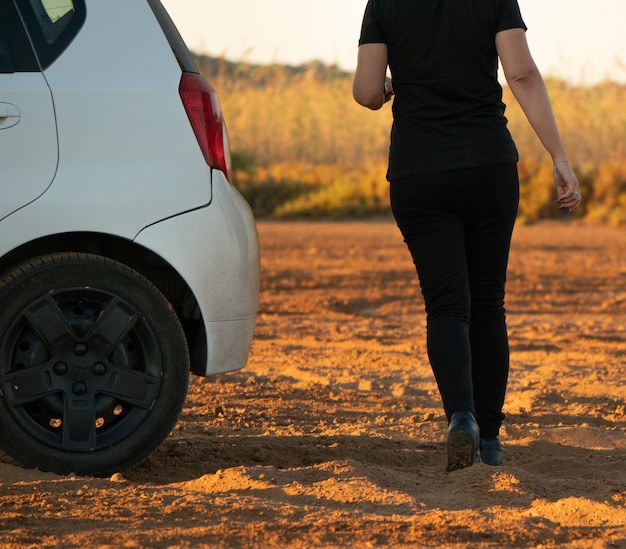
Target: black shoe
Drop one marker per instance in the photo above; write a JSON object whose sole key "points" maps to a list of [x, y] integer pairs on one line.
{"points": [[491, 451], [463, 435]]}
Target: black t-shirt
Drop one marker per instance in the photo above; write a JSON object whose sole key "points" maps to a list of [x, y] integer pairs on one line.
{"points": [[448, 110]]}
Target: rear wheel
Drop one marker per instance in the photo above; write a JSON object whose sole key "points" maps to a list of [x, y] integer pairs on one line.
{"points": [[93, 365]]}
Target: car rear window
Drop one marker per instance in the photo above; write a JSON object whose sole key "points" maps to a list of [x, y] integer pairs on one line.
{"points": [[52, 25]]}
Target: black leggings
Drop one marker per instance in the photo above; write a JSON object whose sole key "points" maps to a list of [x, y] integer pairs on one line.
{"points": [[458, 226]]}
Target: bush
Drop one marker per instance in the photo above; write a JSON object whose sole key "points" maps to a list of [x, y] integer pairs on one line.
{"points": [[303, 147]]}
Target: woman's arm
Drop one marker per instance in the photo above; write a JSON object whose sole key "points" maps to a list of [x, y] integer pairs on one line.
{"points": [[529, 89], [368, 86]]}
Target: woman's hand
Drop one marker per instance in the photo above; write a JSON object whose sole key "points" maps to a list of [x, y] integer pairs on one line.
{"points": [[567, 186]]}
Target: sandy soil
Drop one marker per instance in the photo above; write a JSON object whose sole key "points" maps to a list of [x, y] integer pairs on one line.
{"points": [[333, 436]]}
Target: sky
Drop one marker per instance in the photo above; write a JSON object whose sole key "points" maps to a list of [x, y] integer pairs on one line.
{"points": [[581, 41]]}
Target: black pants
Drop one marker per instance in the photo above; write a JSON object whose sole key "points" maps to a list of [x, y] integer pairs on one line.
{"points": [[458, 226]]}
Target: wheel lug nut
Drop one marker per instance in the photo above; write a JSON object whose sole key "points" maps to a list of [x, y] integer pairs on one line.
{"points": [[60, 368], [79, 388], [80, 349], [99, 369]]}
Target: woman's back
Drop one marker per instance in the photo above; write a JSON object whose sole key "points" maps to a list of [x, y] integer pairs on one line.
{"points": [[448, 110]]}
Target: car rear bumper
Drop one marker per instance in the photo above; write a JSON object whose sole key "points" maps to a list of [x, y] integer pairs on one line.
{"points": [[215, 249]]}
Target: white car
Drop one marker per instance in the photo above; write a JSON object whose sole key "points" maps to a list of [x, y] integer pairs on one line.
{"points": [[127, 259]]}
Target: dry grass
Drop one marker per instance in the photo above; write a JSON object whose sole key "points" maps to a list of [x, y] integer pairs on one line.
{"points": [[303, 147]]}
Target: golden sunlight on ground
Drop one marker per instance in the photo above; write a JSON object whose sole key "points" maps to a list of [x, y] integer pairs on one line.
{"points": [[333, 436]]}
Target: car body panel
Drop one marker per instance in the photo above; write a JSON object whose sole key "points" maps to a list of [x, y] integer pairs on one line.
{"points": [[221, 265], [28, 140], [133, 91]]}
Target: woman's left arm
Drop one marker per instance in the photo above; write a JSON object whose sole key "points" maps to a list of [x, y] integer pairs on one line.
{"points": [[371, 88]]}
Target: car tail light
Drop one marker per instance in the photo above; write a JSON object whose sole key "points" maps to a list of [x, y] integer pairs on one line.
{"points": [[205, 114]]}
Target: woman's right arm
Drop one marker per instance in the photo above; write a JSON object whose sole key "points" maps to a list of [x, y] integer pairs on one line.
{"points": [[528, 87], [368, 86]]}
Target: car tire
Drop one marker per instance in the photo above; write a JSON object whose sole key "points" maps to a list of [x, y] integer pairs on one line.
{"points": [[94, 365]]}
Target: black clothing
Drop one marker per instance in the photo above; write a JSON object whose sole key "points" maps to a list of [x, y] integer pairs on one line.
{"points": [[454, 186], [448, 110], [458, 228]]}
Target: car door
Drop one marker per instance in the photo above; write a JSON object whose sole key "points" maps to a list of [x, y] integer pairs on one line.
{"points": [[28, 139]]}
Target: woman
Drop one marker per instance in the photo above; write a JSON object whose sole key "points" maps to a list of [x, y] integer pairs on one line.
{"points": [[454, 185]]}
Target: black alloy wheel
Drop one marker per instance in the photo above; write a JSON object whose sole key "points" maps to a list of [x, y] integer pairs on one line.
{"points": [[94, 365]]}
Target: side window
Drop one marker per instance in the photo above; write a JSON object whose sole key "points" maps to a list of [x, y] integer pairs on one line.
{"points": [[53, 16], [6, 64], [52, 25], [16, 52]]}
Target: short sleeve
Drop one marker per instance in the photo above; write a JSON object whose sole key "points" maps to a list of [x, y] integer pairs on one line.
{"points": [[510, 16], [371, 31]]}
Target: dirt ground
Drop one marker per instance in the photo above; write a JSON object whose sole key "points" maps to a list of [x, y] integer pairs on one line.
{"points": [[334, 435]]}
